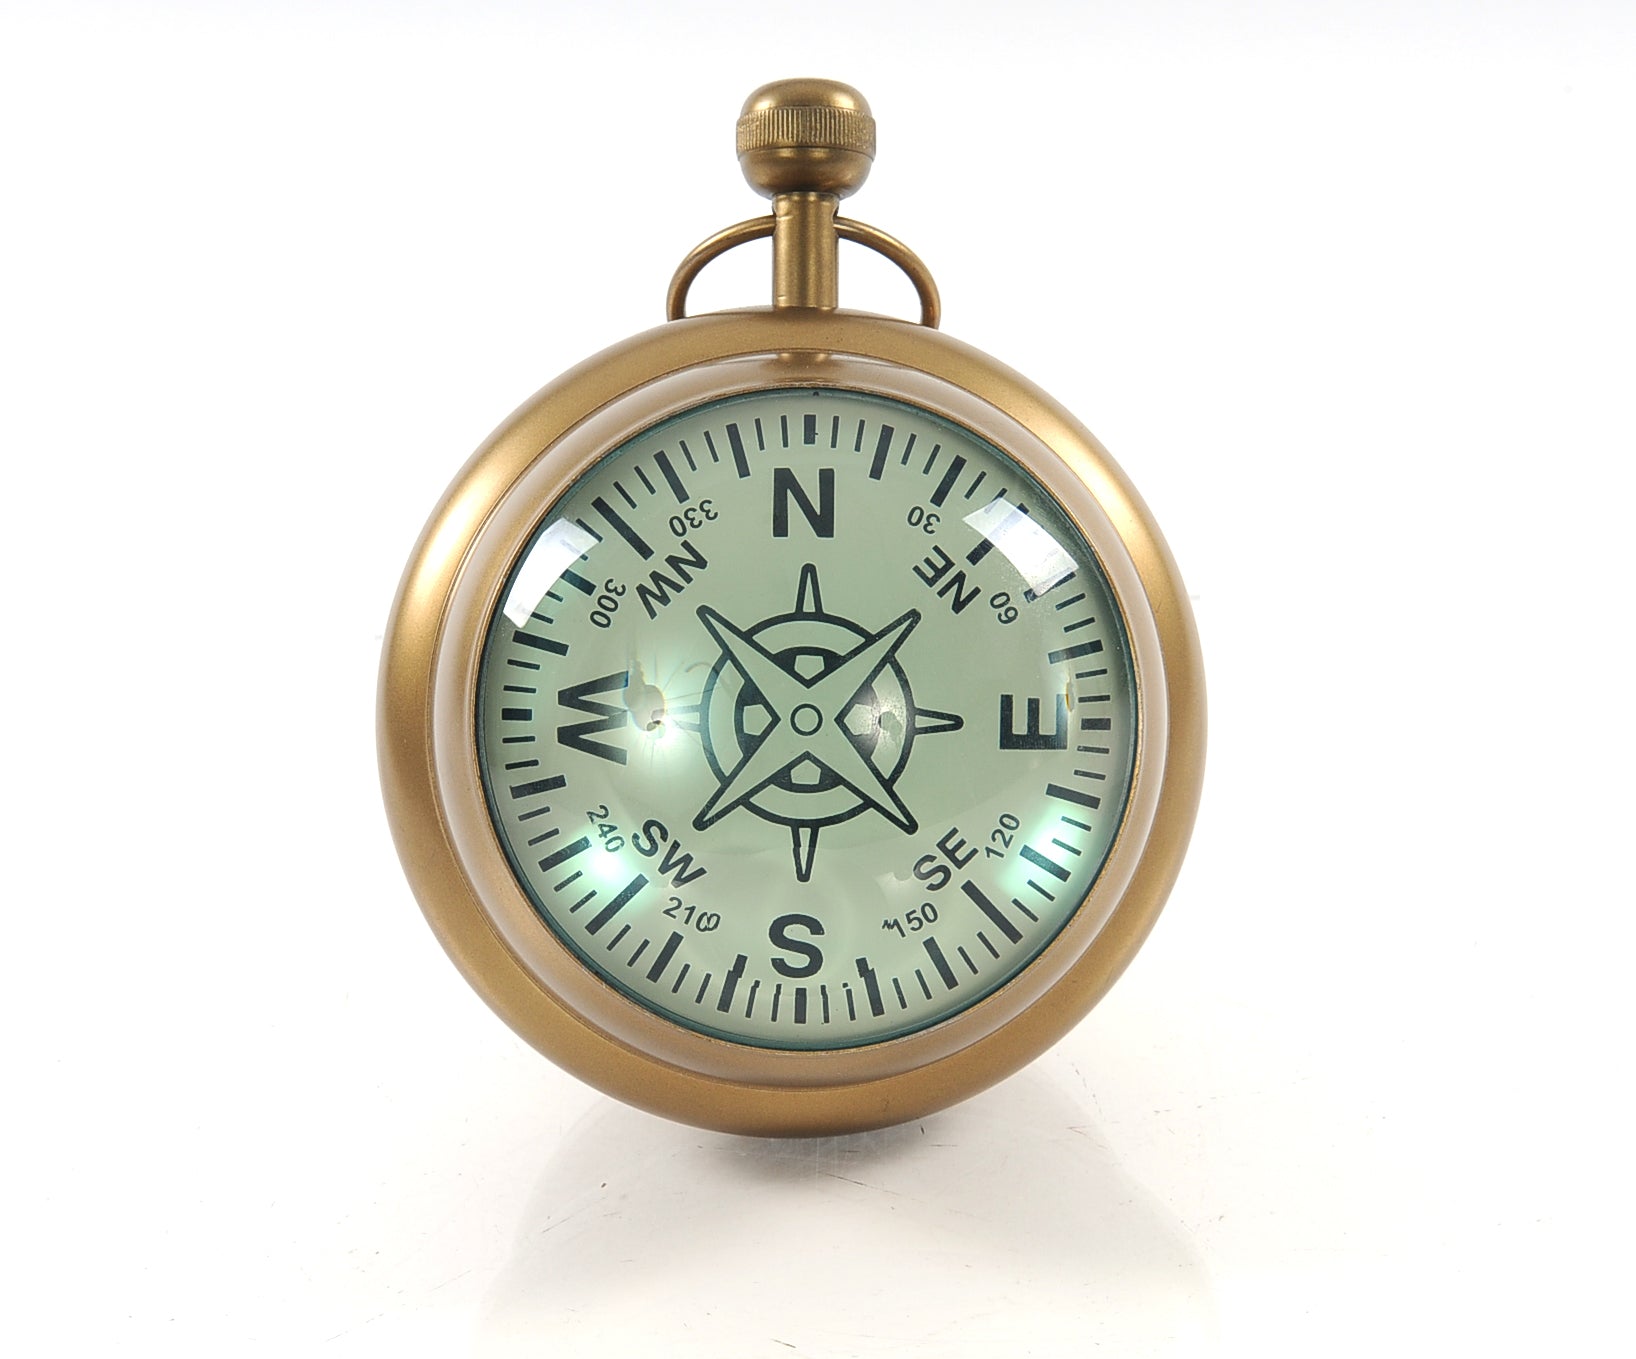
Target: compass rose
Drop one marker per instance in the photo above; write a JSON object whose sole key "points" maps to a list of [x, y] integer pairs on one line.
{"points": [[807, 720]]}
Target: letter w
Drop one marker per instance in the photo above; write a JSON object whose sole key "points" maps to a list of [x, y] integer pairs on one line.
{"points": [[682, 863], [609, 716]]}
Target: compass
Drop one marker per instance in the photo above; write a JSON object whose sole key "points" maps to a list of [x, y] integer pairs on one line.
{"points": [[791, 719]]}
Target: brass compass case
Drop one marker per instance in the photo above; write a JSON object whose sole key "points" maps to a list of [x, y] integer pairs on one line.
{"points": [[805, 144]]}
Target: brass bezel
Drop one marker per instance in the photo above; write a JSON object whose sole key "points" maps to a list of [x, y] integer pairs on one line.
{"points": [[439, 816]]}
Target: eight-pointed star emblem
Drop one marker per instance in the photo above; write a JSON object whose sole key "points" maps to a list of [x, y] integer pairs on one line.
{"points": [[821, 715]]}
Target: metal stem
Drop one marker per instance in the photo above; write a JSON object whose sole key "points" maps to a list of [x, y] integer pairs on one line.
{"points": [[806, 257]]}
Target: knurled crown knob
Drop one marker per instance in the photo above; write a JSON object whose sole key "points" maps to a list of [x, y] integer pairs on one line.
{"points": [[806, 136]]}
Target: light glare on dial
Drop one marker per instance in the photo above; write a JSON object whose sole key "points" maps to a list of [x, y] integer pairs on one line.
{"points": [[1039, 558], [558, 548]]}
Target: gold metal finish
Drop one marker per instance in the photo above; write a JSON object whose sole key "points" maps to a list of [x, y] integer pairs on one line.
{"points": [[931, 306], [454, 860], [740, 233], [805, 144], [806, 136], [806, 268]]}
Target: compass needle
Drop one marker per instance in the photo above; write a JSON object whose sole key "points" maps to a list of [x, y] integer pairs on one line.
{"points": [[791, 720], [928, 722], [806, 593], [837, 752], [804, 840], [759, 768], [779, 688], [810, 719], [842, 684]]}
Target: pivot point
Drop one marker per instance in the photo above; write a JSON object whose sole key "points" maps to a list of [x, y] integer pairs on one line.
{"points": [[806, 719], [806, 136]]}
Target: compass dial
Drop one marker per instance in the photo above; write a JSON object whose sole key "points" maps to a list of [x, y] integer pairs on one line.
{"points": [[807, 719]]}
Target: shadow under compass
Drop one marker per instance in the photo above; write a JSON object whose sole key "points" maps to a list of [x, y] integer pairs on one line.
{"points": [[998, 1226]]}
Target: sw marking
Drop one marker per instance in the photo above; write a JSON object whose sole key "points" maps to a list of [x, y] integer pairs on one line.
{"points": [[674, 862]]}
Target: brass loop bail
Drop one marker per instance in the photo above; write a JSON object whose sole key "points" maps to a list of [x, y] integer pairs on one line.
{"points": [[741, 233], [806, 144]]}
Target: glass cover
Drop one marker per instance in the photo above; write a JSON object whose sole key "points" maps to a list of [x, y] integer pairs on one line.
{"points": [[807, 719]]}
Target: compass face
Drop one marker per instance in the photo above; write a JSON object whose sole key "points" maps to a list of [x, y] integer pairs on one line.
{"points": [[807, 719]]}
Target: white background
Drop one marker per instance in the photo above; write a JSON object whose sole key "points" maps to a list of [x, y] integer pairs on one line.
{"points": [[1347, 288]]}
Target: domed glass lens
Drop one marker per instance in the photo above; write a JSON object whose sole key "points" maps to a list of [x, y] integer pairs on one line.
{"points": [[807, 719]]}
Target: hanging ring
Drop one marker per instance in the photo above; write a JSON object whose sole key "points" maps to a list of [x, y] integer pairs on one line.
{"points": [[931, 308]]}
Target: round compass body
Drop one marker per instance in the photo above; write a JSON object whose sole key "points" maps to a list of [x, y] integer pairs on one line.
{"points": [[791, 719]]}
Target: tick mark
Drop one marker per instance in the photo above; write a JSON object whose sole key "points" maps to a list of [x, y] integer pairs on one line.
{"points": [[661, 460], [882, 447], [1073, 653], [741, 460]]}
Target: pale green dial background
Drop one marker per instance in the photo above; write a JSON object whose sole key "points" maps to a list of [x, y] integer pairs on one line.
{"points": [[793, 726]]}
